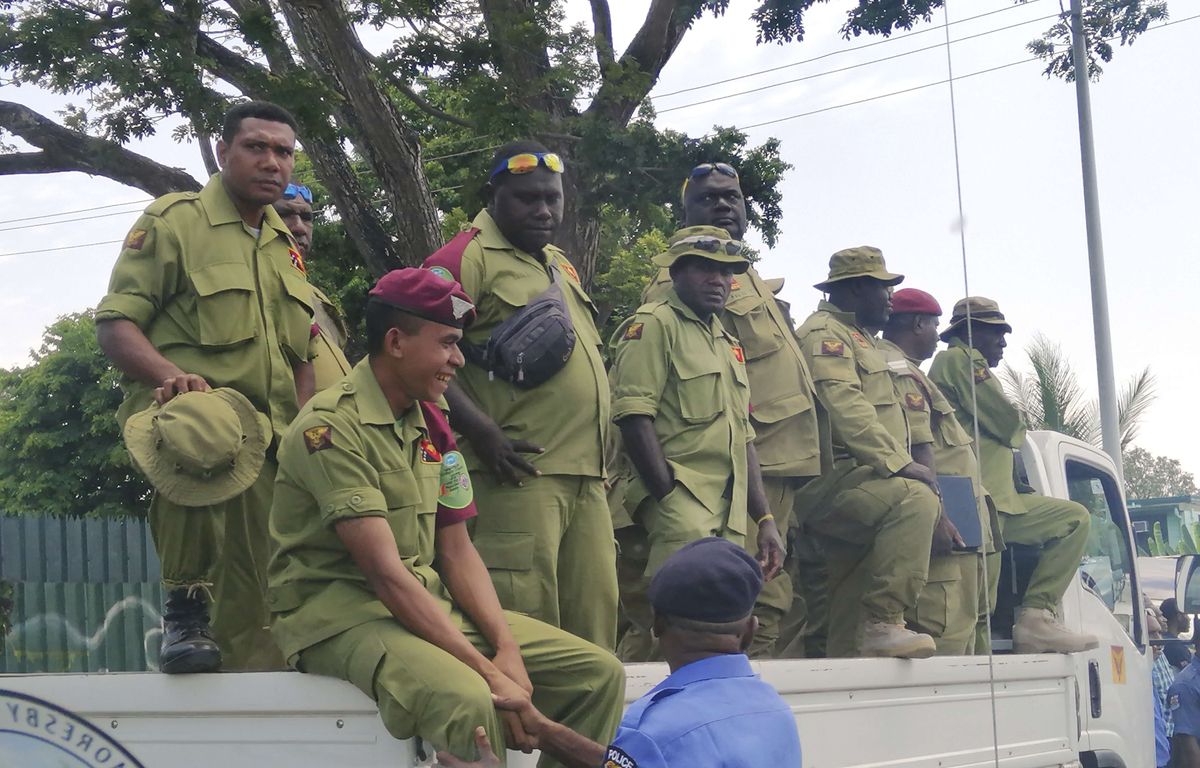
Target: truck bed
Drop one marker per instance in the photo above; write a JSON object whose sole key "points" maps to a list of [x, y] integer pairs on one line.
{"points": [[851, 713]]}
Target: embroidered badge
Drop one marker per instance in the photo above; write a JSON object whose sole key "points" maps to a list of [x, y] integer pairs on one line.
{"points": [[735, 285], [455, 491], [460, 307], [297, 260], [618, 758], [862, 342], [318, 438], [914, 401], [982, 374], [135, 239], [633, 332], [442, 272], [569, 268], [739, 354], [833, 348], [429, 452]]}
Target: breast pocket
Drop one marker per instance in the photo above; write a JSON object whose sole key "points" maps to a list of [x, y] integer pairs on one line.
{"points": [[699, 389], [752, 324], [876, 378], [225, 306], [402, 493], [295, 322]]}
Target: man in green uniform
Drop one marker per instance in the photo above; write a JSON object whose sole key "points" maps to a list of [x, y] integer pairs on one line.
{"points": [[963, 373], [329, 325], [783, 406], [210, 291], [682, 401], [372, 490], [876, 511], [949, 607], [545, 532]]}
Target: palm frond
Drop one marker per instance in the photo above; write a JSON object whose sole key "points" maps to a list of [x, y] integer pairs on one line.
{"points": [[1136, 398], [1063, 406]]}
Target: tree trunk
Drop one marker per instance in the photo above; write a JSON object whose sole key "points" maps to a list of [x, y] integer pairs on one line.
{"points": [[579, 235], [327, 41]]}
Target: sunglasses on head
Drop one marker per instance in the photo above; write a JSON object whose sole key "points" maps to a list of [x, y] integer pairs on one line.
{"points": [[704, 169], [528, 162], [708, 245], [300, 190]]}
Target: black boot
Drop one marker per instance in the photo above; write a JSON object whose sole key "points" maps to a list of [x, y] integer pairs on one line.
{"points": [[187, 641]]}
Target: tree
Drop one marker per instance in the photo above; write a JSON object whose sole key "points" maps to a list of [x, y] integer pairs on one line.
{"points": [[60, 450], [1148, 476], [461, 76], [1050, 396]]}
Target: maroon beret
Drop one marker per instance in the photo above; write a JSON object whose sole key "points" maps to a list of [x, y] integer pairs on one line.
{"points": [[913, 301], [427, 295]]}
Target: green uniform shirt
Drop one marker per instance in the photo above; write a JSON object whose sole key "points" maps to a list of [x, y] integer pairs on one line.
{"points": [[690, 377], [783, 408], [1001, 429], [214, 299], [913, 397], [346, 456], [568, 415], [854, 384], [329, 362]]}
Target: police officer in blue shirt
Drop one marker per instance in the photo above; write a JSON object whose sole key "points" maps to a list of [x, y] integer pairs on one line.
{"points": [[1183, 699], [712, 710]]}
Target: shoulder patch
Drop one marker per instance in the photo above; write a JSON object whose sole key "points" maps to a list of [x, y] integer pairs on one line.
{"points": [[566, 266], [914, 401], [633, 332], [616, 757], [982, 374], [318, 438], [454, 491], [135, 239], [833, 348]]}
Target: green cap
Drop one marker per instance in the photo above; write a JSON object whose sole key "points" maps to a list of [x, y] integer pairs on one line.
{"points": [[712, 243], [863, 261], [200, 448], [979, 310]]}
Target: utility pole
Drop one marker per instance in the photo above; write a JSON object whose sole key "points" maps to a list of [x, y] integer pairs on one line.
{"points": [[1106, 382]]}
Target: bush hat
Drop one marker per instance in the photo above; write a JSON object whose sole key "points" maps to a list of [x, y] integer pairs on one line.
{"points": [[980, 310], [712, 243], [863, 261]]}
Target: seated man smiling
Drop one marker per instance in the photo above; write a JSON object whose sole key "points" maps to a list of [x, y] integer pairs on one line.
{"points": [[375, 580]]}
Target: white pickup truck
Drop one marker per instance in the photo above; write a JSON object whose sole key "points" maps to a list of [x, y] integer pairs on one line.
{"points": [[1087, 710]]}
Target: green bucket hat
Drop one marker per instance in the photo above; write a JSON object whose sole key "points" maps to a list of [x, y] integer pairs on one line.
{"points": [[980, 310], [200, 448], [863, 261], [712, 243]]}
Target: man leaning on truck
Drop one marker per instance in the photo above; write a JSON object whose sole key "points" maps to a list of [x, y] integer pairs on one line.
{"points": [[375, 579]]}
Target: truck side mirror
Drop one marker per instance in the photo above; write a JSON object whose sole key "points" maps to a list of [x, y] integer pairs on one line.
{"points": [[1187, 583]]}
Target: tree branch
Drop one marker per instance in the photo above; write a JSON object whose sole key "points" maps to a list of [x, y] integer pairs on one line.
{"points": [[641, 64], [67, 150], [417, 99], [602, 26]]}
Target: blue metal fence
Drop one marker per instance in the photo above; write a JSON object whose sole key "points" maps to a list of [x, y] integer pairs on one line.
{"points": [[86, 595]]}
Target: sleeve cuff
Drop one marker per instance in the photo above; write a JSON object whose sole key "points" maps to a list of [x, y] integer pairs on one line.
{"points": [[349, 503], [894, 463], [634, 406], [124, 306]]}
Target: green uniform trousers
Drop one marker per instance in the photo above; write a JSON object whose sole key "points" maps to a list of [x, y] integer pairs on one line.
{"points": [[805, 627], [1060, 528], [775, 599], [223, 549], [423, 691], [548, 545], [948, 607], [667, 525], [876, 533]]}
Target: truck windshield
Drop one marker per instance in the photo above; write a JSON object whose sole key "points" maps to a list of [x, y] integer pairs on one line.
{"points": [[1107, 563]]}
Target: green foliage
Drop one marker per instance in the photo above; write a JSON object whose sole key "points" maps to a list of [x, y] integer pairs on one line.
{"points": [[1150, 477], [1104, 21], [60, 450], [6, 609]]}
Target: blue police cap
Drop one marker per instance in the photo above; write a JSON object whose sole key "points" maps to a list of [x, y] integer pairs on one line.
{"points": [[710, 580]]}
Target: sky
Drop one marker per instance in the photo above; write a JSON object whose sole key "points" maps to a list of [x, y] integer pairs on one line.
{"points": [[868, 169]]}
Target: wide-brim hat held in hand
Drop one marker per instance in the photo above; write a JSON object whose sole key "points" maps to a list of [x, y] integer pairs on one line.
{"points": [[200, 448]]}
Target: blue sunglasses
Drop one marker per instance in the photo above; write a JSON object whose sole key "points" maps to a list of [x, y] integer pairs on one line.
{"points": [[298, 189]]}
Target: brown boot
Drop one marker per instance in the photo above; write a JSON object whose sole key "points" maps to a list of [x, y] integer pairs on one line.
{"points": [[894, 640], [1038, 630]]}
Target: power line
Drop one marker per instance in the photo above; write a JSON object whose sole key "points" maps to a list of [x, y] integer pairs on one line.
{"points": [[854, 66], [59, 248], [864, 46], [80, 210], [68, 221]]}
